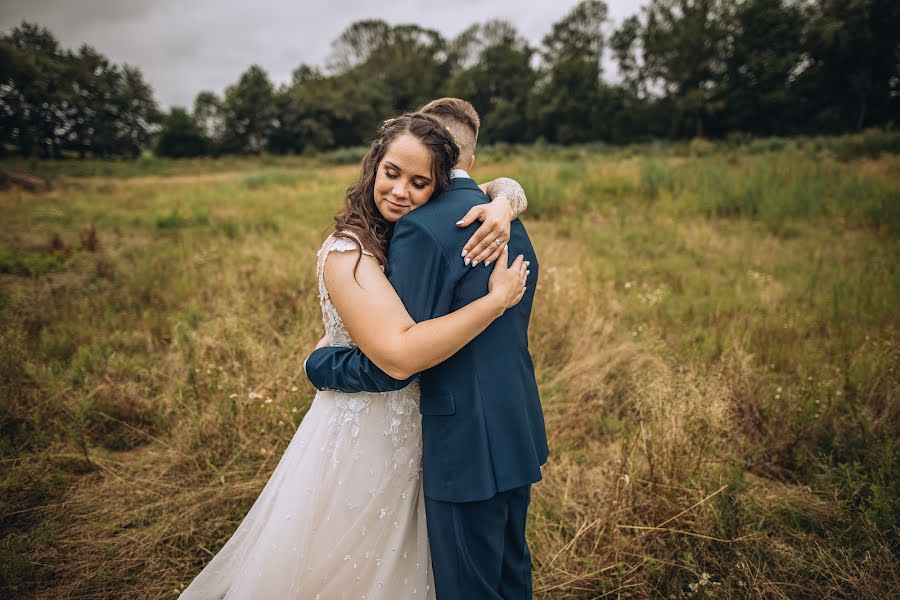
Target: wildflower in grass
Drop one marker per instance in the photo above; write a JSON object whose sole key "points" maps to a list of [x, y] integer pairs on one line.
{"points": [[254, 395], [704, 581]]}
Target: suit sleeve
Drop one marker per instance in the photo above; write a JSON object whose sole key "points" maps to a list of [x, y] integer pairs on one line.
{"points": [[420, 273], [349, 370]]}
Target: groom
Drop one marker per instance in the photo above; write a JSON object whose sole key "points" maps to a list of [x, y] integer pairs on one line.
{"points": [[482, 424]]}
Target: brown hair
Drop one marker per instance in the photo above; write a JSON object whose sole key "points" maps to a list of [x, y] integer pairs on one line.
{"points": [[360, 220], [461, 118]]}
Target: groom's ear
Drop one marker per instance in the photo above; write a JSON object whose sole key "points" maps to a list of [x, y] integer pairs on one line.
{"points": [[471, 163]]}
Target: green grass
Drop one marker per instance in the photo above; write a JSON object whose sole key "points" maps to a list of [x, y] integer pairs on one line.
{"points": [[715, 337]]}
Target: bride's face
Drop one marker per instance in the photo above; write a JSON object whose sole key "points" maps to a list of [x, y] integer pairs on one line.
{"points": [[403, 181]]}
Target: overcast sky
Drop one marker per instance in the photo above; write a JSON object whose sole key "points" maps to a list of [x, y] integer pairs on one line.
{"points": [[184, 47]]}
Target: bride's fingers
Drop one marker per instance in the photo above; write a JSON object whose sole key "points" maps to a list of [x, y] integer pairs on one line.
{"points": [[502, 263], [490, 254], [475, 213], [504, 253], [524, 279], [492, 242], [484, 239], [481, 238], [518, 263]]}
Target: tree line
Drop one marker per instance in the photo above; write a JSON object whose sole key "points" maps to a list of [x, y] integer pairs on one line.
{"points": [[687, 68]]}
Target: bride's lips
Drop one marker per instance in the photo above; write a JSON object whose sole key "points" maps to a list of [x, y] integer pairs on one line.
{"points": [[395, 206]]}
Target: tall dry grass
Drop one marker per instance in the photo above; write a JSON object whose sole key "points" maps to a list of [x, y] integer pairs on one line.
{"points": [[719, 385]]}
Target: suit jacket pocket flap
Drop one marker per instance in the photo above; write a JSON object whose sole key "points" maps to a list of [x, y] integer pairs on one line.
{"points": [[438, 404]]}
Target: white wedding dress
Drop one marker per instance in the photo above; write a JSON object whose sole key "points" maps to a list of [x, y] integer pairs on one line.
{"points": [[343, 514]]}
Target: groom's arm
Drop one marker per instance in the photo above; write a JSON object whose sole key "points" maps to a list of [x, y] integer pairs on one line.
{"points": [[508, 190], [420, 273], [348, 370]]}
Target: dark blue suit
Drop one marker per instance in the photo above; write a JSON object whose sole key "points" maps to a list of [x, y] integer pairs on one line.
{"points": [[482, 424]]}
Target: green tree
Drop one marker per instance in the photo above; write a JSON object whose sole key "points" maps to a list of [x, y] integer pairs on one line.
{"points": [[209, 115], [88, 101], [625, 46], [357, 44], [34, 90], [852, 78], [684, 44], [578, 35], [318, 113], [249, 111], [53, 99], [565, 105], [407, 64], [759, 65], [410, 67], [498, 81], [181, 136], [136, 110]]}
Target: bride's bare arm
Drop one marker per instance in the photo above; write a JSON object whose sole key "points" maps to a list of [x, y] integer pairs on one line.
{"points": [[378, 322], [508, 201]]}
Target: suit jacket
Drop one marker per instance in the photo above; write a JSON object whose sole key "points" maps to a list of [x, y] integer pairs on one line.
{"points": [[482, 422]]}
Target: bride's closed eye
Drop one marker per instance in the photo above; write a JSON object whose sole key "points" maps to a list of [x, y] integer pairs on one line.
{"points": [[416, 184]]}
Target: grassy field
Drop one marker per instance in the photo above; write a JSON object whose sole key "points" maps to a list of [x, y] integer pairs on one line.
{"points": [[715, 334]]}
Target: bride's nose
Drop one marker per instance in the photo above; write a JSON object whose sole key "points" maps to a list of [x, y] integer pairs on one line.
{"points": [[400, 190]]}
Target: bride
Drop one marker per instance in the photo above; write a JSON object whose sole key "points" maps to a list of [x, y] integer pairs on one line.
{"points": [[343, 514]]}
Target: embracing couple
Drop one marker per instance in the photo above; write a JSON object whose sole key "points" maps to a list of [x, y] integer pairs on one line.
{"points": [[410, 475]]}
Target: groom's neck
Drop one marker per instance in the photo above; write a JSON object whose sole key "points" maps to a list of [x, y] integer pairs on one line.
{"points": [[465, 164]]}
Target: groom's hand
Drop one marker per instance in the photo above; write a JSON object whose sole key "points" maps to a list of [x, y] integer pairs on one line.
{"points": [[486, 244]]}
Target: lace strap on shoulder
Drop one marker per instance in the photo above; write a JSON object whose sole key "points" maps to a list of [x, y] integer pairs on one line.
{"points": [[339, 244]]}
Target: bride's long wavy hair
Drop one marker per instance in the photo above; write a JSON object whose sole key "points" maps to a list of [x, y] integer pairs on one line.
{"points": [[360, 216]]}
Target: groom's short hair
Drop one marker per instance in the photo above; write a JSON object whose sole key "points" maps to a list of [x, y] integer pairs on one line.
{"points": [[461, 118]]}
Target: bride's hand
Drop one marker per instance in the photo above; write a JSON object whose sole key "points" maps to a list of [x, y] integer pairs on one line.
{"points": [[495, 217], [508, 283], [324, 342]]}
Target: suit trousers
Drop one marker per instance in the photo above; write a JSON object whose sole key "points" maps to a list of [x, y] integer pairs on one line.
{"points": [[478, 549]]}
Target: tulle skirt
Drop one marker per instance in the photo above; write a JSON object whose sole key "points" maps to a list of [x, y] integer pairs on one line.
{"points": [[343, 514]]}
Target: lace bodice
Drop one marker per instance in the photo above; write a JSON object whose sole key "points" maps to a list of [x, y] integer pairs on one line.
{"points": [[334, 327]]}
